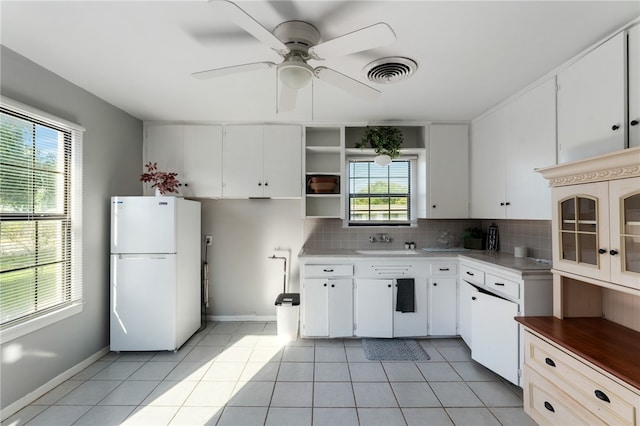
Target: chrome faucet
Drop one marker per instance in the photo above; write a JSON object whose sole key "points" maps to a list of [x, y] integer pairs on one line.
{"points": [[380, 238]]}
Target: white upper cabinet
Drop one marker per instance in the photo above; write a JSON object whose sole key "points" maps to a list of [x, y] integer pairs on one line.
{"points": [[202, 160], [507, 145], [262, 161], [591, 102], [448, 171], [634, 85], [194, 152]]}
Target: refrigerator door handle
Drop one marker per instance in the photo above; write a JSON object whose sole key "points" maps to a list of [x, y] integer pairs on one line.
{"points": [[139, 257]]}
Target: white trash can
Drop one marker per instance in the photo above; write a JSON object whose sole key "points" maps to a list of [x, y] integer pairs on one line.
{"points": [[287, 314]]}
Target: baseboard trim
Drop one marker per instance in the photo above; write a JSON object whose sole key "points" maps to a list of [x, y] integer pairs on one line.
{"points": [[223, 318], [18, 405]]}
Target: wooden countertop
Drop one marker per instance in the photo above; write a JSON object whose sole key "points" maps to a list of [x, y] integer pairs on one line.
{"points": [[610, 346]]}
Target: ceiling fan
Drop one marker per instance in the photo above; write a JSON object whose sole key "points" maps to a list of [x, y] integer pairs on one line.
{"points": [[297, 42]]}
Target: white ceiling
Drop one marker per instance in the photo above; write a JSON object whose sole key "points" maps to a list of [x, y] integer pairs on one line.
{"points": [[139, 56]]}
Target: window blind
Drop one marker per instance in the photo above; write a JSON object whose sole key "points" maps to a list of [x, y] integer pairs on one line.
{"points": [[40, 214], [379, 195]]}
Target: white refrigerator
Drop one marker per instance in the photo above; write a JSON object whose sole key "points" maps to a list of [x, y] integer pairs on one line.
{"points": [[155, 272]]}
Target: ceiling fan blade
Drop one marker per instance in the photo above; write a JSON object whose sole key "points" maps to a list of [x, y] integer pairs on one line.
{"points": [[219, 72], [376, 35], [233, 12], [287, 98], [347, 83]]}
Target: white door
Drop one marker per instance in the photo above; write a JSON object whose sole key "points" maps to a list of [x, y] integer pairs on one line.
{"points": [[242, 153], [531, 145], [374, 314], [634, 86], [143, 225], [143, 298], [494, 335], [467, 293], [487, 176], [407, 324], [624, 194], [340, 307], [315, 307], [591, 103], [164, 145], [202, 161], [282, 161], [442, 306], [449, 171]]}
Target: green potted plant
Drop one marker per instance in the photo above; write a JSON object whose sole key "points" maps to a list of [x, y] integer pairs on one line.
{"points": [[473, 238], [386, 141], [163, 182]]}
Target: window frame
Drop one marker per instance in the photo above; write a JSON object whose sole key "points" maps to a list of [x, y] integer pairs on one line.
{"points": [[40, 319], [413, 175]]}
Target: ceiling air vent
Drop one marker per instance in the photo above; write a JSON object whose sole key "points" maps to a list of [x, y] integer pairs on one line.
{"points": [[390, 70]]}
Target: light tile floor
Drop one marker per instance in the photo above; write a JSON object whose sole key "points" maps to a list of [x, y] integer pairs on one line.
{"points": [[239, 374]]}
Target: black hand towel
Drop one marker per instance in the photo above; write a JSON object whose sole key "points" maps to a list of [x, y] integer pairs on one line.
{"points": [[405, 299]]}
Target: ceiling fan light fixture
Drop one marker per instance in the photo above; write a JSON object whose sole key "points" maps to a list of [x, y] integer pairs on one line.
{"points": [[295, 75]]}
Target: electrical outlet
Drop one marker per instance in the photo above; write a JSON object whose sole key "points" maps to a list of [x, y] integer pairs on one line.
{"points": [[208, 239]]}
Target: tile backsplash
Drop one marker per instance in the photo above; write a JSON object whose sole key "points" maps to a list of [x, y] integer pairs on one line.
{"points": [[331, 234]]}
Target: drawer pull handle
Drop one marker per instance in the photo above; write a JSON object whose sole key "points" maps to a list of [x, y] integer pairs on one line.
{"points": [[469, 273], [328, 270], [549, 362], [444, 269], [549, 407], [602, 396], [499, 284]]}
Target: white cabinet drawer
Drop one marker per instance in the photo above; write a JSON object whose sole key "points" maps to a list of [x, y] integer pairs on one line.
{"points": [[608, 400], [449, 268], [548, 405], [328, 271], [500, 285], [472, 275]]}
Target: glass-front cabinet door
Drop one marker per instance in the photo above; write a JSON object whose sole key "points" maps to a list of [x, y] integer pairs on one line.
{"points": [[625, 232], [581, 229]]}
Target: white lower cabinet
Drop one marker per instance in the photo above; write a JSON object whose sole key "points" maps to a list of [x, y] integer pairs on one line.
{"points": [[326, 300], [494, 335], [467, 293], [490, 298], [374, 313], [328, 307], [442, 306]]}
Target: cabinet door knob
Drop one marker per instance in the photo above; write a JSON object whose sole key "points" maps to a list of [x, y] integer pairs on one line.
{"points": [[507, 203], [549, 407], [615, 127], [433, 206], [266, 184], [634, 122], [602, 251], [435, 284], [473, 298], [502, 204], [389, 285], [333, 285], [549, 362], [324, 285], [613, 252], [602, 396], [259, 183]]}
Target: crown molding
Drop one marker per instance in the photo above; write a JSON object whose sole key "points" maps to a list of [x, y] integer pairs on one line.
{"points": [[616, 165]]}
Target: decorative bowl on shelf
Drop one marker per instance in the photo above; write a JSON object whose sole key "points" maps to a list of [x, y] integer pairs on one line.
{"points": [[322, 184]]}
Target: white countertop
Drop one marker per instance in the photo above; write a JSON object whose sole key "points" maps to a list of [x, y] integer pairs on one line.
{"points": [[504, 260]]}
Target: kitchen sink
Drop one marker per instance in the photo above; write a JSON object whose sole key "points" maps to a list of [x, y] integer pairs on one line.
{"points": [[382, 252]]}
